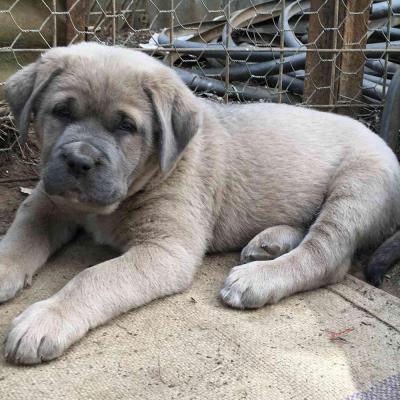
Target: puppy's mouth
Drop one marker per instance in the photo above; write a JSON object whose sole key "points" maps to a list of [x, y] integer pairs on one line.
{"points": [[78, 197], [74, 196], [68, 191], [76, 200]]}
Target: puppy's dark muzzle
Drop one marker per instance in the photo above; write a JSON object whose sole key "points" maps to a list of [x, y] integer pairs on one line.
{"points": [[83, 171], [80, 158]]}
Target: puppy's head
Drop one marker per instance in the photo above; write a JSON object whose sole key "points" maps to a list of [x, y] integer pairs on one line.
{"points": [[105, 117]]}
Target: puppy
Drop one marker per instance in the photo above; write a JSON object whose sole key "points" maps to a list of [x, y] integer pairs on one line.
{"points": [[133, 157]]}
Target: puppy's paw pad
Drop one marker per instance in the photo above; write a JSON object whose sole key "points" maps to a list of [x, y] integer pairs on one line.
{"points": [[39, 334]]}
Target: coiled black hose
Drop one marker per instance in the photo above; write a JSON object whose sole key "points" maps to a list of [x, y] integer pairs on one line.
{"points": [[251, 62]]}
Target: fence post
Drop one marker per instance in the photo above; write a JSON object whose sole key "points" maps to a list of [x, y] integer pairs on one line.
{"points": [[351, 70], [77, 20], [330, 77]]}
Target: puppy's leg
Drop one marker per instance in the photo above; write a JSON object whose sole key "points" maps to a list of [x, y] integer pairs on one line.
{"points": [[383, 259], [37, 231], [144, 273], [272, 243], [358, 208]]}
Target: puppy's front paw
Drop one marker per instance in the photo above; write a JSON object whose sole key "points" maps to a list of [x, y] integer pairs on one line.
{"points": [[253, 285], [12, 281], [40, 333]]}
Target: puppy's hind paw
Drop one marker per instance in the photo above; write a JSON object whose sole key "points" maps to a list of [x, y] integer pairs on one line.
{"points": [[271, 243]]}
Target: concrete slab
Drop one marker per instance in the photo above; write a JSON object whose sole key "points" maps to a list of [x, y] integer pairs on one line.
{"points": [[334, 343]]}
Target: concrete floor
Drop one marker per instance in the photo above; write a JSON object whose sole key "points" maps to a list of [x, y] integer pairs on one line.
{"points": [[327, 344]]}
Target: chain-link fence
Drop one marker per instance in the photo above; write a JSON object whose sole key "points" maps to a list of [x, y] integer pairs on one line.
{"points": [[336, 55]]}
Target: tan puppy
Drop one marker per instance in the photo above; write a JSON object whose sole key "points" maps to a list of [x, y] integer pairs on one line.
{"points": [[134, 158]]}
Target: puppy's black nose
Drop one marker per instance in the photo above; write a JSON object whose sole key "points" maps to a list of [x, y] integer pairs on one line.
{"points": [[78, 164]]}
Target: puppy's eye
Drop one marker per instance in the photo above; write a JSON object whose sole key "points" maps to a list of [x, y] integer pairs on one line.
{"points": [[62, 110], [126, 125]]}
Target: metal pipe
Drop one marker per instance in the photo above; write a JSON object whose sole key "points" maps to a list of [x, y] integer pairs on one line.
{"points": [[216, 50], [240, 72], [238, 91], [380, 10]]}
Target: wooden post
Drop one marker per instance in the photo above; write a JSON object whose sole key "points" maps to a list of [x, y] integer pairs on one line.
{"points": [[320, 65], [77, 20], [334, 78], [351, 65]]}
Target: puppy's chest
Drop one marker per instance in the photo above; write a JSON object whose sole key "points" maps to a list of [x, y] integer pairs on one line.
{"points": [[102, 229]]}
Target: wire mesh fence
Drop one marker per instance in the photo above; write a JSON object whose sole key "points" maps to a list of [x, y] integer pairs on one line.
{"points": [[336, 55]]}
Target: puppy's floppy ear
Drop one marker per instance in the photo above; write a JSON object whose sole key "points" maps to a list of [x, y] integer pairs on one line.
{"points": [[178, 116], [21, 91]]}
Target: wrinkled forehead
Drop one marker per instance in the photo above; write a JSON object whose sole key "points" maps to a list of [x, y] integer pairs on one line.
{"points": [[98, 89], [103, 78], [100, 93]]}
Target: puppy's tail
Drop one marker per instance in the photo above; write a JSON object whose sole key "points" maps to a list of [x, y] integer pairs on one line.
{"points": [[383, 259]]}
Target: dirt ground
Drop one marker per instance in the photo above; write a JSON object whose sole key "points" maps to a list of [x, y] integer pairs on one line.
{"points": [[16, 174]]}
